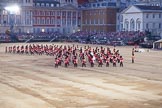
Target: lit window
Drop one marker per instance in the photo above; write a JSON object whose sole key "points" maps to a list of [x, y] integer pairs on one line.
{"points": [[57, 5], [38, 4], [52, 5]]}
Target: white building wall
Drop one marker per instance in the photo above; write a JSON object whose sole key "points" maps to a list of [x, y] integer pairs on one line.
{"points": [[146, 19], [135, 17], [153, 22]]}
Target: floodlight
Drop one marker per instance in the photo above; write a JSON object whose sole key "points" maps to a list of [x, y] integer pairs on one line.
{"points": [[13, 9]]}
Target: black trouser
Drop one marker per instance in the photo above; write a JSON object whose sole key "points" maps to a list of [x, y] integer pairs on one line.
{"points": [[56, 65], [114, 64], [121, 64], [92, 64], [66, 64], [100, 65], [75, 64], [107, 64], [83, 65]]}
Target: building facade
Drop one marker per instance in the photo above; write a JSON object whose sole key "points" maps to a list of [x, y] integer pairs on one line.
{"points": [[100, 15], [37, 16], [22, 19], [99, 20], [142, 18], [55, 16]]}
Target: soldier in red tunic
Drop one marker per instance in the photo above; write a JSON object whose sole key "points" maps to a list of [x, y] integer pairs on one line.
{"points": [[121, 61], [100, 63], [83, 62], [75, 61], [56, 63], [66, 61], [107, 61], [114, 61]]}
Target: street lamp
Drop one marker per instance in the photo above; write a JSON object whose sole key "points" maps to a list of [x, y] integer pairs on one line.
{"points": [[12, 10]]}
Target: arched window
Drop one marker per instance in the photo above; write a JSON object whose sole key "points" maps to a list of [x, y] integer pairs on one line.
{"points": [[126, 25], [138, 24], [132, 25]]}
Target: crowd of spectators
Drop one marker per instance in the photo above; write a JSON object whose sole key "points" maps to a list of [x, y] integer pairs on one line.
{"points": [[124, 36], [4, 37], [39, 36]]}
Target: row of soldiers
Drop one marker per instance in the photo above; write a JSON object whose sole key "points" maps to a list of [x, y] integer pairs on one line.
{"points": [[72, 54], [88, 55], [32, 49]]}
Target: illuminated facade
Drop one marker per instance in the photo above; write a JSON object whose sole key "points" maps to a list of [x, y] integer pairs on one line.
{"points": [[38, 16]]}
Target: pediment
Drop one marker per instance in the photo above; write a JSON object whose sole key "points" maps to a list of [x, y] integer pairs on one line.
{"points": [[131, 9]]}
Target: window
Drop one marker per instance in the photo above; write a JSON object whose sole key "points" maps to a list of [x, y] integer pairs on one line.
{"points": [[103, 21], [52, 21], [103, 4], [132, 25], [79, 14], [42, 4], [126, 25], [38, 20], [94, 5], [52, 5], [74, 22], [58, 21], [58, 13], [64, 13], [47, 4], [53, 13], [47, 21], [147, 15], [100, 21], [74, 14], [79, 22], [4, 12], [57, 5], [69, 14], [42, 21], [27, 21], [153, 16], [160, 15], [68, 22], [38, 4], [86, 21], [159, 25], [63, 21], [147, 26], [96, 22], [27, 1], [18, 21], [153, 25], [138, 24]]}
